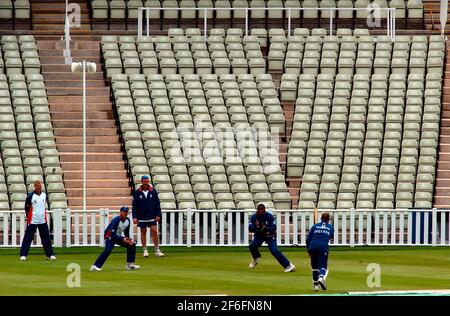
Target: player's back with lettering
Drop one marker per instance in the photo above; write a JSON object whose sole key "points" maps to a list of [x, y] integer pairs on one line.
{"points": [[319, 236]]}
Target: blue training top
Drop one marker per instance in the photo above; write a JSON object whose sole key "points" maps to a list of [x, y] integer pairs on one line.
{"points": [[319, 236], [146, 207], [266, 228]]}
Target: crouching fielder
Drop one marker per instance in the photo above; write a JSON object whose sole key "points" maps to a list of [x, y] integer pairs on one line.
{"points": [[113, 236], [264, 229], [317, 245]]}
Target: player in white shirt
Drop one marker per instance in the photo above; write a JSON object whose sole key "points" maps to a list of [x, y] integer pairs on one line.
{"points": [[36, 220]]}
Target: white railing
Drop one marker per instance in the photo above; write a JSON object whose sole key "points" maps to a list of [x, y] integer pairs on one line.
{"points": [[230, 227], [390, 16]]}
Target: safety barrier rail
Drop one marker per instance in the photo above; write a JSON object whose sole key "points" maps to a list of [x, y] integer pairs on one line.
{"points": [[390, 16], [230, 227]]}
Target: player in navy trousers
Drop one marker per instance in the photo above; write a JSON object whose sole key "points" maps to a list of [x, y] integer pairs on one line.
{"points": [[147, 213], [120, 225], [263, 226], [317, 245]]}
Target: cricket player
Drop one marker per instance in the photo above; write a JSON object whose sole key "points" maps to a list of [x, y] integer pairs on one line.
{"points": [[317, 244], [120, 225], [263, 226], [147, 213], [35, 210]]}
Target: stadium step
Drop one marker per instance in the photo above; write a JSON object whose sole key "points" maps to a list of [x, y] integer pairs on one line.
{"points": [[96, 166], [90, 156], [69, 104], [75, 83], [90, 131], [100, 148], [98, 115], [105, 159], [89, 140], [442, 192], [98, 192], [78, 183], [60, 59], [79, 123], [95, 203], [78, 175]]}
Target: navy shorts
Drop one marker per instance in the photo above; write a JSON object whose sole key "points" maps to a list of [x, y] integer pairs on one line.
{"points": [[147, 223]]}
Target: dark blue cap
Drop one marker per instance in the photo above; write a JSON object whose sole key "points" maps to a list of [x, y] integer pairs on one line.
{"points": [[124, 209], [144, 178]]}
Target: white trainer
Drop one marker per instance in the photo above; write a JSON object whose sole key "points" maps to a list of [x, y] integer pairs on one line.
{"points": [[145, 253], [52, 258], [253, 264], [290, 268], [131, 266], [322, 283], [23, 258], [158, 253], [94, 268], [316, 288]]}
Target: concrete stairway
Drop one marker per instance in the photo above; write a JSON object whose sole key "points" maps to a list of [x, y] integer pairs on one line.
{"points": [[431, 14], [293, 184], [48, 17], [442, 190], [107, 179]]}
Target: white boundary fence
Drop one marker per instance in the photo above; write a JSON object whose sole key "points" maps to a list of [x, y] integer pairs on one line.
{"points": [[230, 227], [390, 16]]}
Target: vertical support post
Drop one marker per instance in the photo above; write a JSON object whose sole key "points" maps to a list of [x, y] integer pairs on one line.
{"points": [[393, 227], [205, 25], [287, 226], [245, 227], [303, 228], [68, 228], [180, 227], [103, 221], [164, 228], [197, 228], [352, 227], [238, 229], [289, 22], [401, 226], [221, 228], [205, 228], [377, 227], [147, 18], [443, 234], [140, 11], [434, 227], [172, 228], [189, 228], [410, 229], [278, 223], [388, 23], [393, 23], [85, 228], [5, 229], [57, 228], [360, 228], [84, 135], [331, 21], [213, 228], [230, 228], [93, 228], [246, 21], [295, 228], [14, 229]]}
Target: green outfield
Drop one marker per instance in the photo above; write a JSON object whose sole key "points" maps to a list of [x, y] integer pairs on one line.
{"points": [[222, 271]]}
